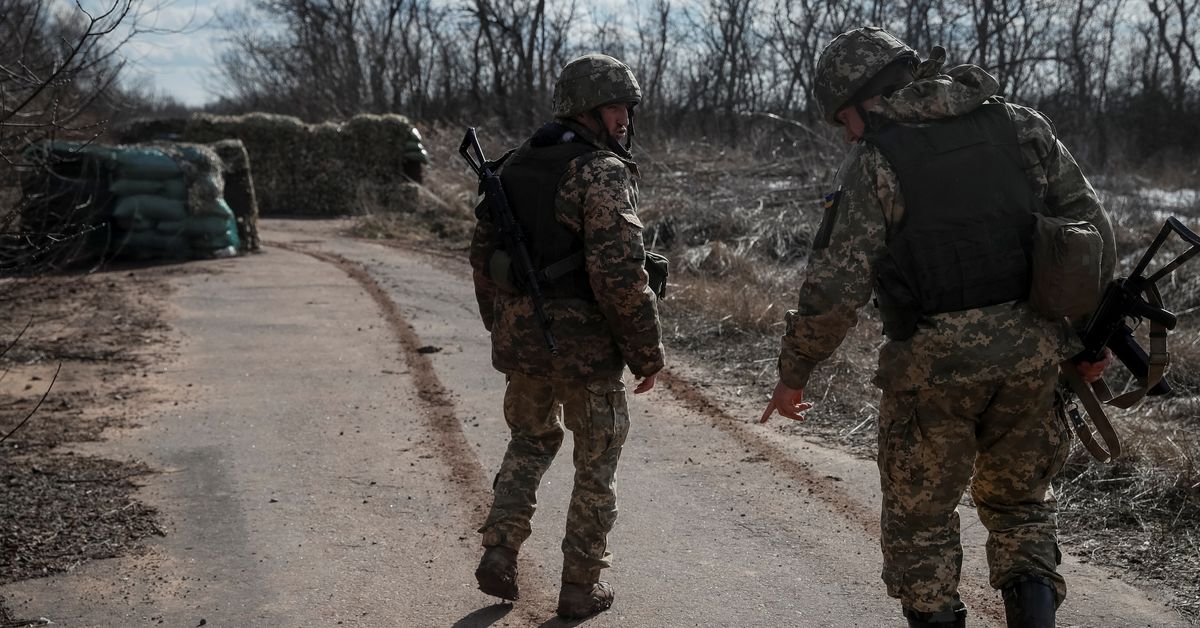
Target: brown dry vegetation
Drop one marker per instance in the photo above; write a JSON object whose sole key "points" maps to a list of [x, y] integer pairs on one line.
{"points": [[445, 200], [737, 225], [59, 507]]}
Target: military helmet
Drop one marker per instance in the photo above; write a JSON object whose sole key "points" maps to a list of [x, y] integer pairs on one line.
{"points": [[849, 62], [593, 81]]}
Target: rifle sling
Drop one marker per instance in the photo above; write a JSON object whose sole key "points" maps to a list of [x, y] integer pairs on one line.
{"points": [[1098, 392], [1096, 412]]}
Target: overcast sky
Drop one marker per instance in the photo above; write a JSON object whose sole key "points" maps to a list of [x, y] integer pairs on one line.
{"points": [[177, 56], [181, 63]]}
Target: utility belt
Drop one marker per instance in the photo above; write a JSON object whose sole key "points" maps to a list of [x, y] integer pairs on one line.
{"points": [[567, 278]]}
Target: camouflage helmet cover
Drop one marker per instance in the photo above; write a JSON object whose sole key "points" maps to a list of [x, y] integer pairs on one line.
{"points": [[593, 81], [849, 62]]}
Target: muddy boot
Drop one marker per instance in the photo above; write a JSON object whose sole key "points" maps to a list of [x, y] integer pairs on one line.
{"points": [[577, 601], [1029, 603], [497, 572], [944, 619]]}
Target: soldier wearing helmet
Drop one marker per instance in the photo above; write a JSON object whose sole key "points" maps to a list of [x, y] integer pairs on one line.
{"points": [[573, 188], [932, 212]]}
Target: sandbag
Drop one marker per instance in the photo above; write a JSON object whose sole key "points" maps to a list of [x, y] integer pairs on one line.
{"points": [[171, 227], [214, 231], [212, 242], [133, 223], [133, 187], [156, 242], [155, 208], [208, 225], [1066, 277], [216, 207], [174, 188], [417, 156], [145, 163]]}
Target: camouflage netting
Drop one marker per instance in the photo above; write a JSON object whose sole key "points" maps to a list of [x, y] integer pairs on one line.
{"points": [[154, 201], [367, 164], [239, 190]]}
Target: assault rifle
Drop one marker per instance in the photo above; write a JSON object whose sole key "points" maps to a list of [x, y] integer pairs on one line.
{"points": [[1126, 302], [509, 230]]}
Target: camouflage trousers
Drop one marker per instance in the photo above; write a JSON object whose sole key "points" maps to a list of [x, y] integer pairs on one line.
{"points": [[536, 409], [1004, 441]]}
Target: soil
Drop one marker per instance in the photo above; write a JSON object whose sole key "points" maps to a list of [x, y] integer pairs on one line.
{"points": [[84, 342]]}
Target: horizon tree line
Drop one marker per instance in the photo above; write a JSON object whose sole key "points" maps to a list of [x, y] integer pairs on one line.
{"points": [[1120, 78]]}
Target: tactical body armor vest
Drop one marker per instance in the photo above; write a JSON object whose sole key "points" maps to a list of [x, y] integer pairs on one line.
{"points": [[530, 176], [964, 240]]}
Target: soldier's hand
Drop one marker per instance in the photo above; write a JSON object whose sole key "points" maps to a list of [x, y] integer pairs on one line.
{"points": [[1092, 371], [645, 384], [789, 402]]}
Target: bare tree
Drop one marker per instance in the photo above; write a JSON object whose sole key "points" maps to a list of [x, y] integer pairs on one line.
{"points": [[1009, 39], [55, 69], [1085, 55], [704, 65], [722, 80], [654, 37], [1173, 25]]}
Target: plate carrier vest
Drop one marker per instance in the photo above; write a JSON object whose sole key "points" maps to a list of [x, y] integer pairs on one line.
{"points": [[964, 240], [530, 176]]}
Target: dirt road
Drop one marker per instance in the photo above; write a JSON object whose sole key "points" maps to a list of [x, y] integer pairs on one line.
{"points": [[330, 457]]}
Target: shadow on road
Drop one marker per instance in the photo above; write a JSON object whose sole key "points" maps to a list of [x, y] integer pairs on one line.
{"points": [[558, 622], [484, 617]]}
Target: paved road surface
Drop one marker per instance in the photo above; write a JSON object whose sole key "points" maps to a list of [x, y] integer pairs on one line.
{"points": [[332, 457]]}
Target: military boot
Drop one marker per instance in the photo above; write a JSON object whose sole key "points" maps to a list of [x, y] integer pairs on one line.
{"points": [[1029, 603], [497, 572], [945, 619], [576, 601]]}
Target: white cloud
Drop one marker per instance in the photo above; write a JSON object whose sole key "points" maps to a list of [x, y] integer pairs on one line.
{"points": [[176, 48]]}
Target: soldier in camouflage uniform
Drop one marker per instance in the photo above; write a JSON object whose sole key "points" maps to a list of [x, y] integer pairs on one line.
{"points": [[573, 188], [943, 177]]}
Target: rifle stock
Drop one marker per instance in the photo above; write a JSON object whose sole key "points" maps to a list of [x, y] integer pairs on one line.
{"points": [[1135, 298]]}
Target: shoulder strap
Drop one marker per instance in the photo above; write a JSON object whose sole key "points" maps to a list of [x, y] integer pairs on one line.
{"points": [[1098, 394], [1095, 412]]}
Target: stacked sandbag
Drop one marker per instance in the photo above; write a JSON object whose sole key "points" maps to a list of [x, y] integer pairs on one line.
{"points": [[169, 203], [239, 191], [414, 150], [162, 201], [366, 164]]}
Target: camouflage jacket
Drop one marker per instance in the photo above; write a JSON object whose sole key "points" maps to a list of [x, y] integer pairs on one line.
{"points": [[976, 345], [596, 200]]}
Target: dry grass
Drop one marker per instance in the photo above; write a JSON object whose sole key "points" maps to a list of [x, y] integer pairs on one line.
{"points": [[445, 205], [1142, 513]]}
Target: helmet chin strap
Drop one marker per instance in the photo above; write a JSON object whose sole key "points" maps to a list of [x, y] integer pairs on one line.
{"points": [[629, 133]]}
